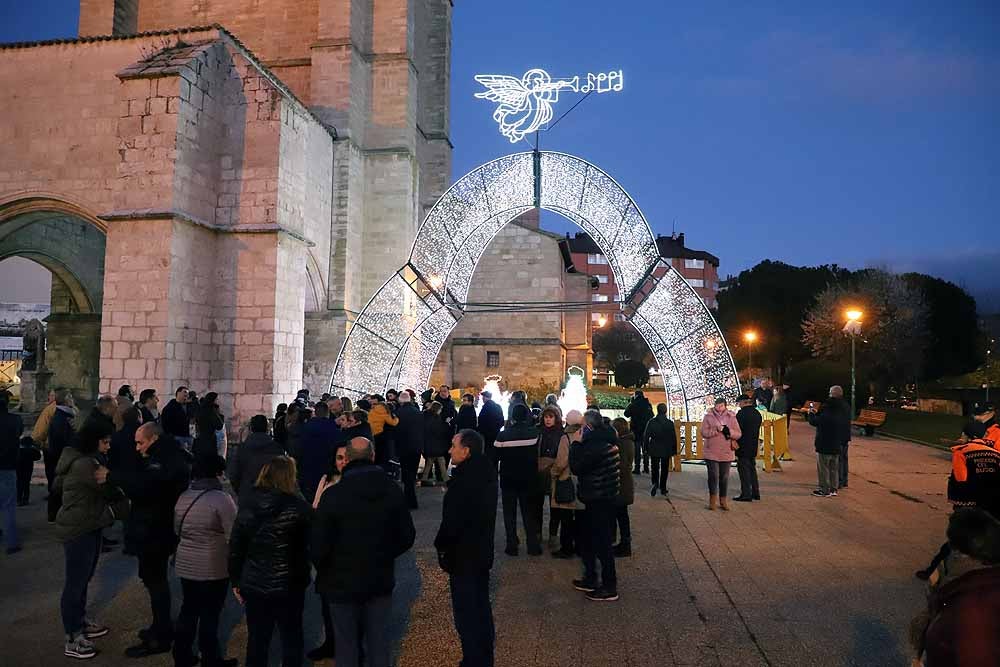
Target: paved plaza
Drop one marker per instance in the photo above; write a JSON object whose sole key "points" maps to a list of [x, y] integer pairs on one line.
{"points": [[792, 580]]}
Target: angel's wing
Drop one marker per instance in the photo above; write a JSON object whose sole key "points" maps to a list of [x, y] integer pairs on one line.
{"points": [[502, 89]]}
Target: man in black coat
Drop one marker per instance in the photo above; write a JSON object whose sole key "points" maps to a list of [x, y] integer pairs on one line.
{"points": [[251, 457], [640, 411], [517, 449], [660, 442], [409, 433], [749, 419], [491, 420], [464, 544], [361, 527], [175, 417], [154, 485], [833, 430], [595, 462]]}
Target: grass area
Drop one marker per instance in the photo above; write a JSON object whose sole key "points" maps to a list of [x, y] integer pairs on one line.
{"points": [[925, 427]]}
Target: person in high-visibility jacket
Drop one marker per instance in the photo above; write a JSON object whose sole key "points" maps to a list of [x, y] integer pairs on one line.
{"points": [[974, 482], [975, 475]]}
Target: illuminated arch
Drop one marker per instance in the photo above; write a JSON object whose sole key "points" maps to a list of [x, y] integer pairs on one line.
{"points": [[396, 339]]}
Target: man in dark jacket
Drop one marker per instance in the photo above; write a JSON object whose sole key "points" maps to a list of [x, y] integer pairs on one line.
{"points": [[464, 544], [749, 419], [640, 411], [833, 429], [149, 404], [314, 452], [361, 526], [409, 434], [448, 411], [154, 485], [517, 449], [595, 462], [256, 451], [175, 417], [11, 427], [660, 442], [491, 420]]}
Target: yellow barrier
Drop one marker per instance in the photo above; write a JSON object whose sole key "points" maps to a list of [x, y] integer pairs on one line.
{"points": [[773, 443]]}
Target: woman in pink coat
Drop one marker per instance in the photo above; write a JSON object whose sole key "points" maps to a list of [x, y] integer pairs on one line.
{"points": [[719, 433]]}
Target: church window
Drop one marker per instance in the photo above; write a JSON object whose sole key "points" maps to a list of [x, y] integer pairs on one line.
{"points": [[493, 359]]}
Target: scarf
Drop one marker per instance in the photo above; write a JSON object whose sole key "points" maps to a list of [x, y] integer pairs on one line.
{"points": [[548, 442]]}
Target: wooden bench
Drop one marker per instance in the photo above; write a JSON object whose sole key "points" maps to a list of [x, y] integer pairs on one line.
{"points": [[804, 408], [869, 420]]}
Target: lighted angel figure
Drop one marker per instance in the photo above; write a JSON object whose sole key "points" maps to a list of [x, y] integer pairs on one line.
{"points": [[525, 104]]}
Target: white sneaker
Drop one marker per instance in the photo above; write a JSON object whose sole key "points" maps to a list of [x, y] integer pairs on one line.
{"points": [[831, 494], [92, 629], [79, 647]]}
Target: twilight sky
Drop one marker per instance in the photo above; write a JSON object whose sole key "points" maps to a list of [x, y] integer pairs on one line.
{"points": [[858, 133]]}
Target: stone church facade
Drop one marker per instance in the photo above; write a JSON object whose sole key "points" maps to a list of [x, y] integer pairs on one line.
{"points": [[215, 203], [532, 347]]}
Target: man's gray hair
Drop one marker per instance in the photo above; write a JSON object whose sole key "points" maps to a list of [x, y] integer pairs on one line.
{"points": [[360, 449], [836, 391], [152, 429], [64, 397], [593, 418]]}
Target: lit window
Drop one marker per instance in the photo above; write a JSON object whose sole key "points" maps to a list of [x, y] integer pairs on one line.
{"points": [[595, 316], [694, 264], [599, 298], [492, 359], [601, 278], [597, 259], [619, 317], [695, 282]]}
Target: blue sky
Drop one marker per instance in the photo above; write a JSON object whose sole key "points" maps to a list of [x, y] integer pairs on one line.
{"points": [[848, 132]]}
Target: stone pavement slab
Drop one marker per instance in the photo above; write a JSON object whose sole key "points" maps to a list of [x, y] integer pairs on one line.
{"points": [[791, 580]]}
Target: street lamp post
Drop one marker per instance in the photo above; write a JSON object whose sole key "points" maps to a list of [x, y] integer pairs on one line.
{"points": [[853, 327], [750, 337]]}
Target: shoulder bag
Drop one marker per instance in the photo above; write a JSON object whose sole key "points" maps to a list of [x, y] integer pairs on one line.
{"points": [[180, 528]]}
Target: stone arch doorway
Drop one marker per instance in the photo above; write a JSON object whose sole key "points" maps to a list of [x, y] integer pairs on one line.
{"points": [[70, 245], [396, 339]]}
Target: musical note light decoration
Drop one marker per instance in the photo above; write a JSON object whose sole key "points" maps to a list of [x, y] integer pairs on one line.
{"points": [[524, 105]]}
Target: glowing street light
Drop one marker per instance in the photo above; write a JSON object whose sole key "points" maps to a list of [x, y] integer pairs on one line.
{"points": [[750, 337], [601, 321], [853, 327]]}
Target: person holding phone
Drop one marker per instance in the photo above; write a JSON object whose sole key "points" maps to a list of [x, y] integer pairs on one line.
{"points": [[720, 433]]}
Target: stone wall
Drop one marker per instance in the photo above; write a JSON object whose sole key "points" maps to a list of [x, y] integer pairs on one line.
{"points": [[72, 352], [521, 264]]}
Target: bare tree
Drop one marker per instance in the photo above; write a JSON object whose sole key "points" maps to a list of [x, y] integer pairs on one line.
{"points": [[894, 326]]}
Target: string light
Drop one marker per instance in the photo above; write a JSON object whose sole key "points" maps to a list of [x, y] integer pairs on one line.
{"points": [[396, 340]]}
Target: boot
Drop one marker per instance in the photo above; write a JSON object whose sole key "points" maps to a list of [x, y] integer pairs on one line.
{"points": [[713, 502], [724, 503]]}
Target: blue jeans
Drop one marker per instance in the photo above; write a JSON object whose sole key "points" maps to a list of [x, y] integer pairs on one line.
{"points": [[81, 561], [371, 616], [718, 477], [8, 504], [470, 604]]}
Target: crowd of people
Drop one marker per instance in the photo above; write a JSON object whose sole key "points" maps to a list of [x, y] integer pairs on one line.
{"points": [[320, 495]]}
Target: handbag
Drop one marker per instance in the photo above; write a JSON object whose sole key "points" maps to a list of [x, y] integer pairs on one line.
{"points": [[565, 491], [180, 528]]}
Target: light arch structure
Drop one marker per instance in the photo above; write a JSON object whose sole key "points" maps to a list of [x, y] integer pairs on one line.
{"points": [[396, 339]]}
